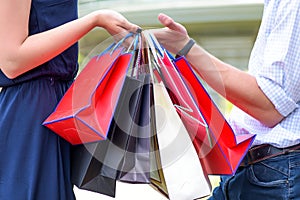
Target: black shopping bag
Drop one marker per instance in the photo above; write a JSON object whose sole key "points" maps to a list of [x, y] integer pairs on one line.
{"points": [[97, 166], [85, 170], [120, 156], [136, 163]]}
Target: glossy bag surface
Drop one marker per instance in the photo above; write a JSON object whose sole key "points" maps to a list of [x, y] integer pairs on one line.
{"points": [[85, 112], [136, 163], [85, 170], [219, 149], [182, 171], [98, 165]]}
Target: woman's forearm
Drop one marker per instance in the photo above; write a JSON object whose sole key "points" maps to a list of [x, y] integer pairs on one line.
{"points": [[39, 48], [23, 52]]}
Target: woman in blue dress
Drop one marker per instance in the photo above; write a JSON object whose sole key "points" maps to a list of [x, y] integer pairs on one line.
{"points": [[38, 61]]}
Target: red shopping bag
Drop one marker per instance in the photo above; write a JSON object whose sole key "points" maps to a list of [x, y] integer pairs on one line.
{"points": [[86, 110], [185, 104], [219, 149], [226, 150]]}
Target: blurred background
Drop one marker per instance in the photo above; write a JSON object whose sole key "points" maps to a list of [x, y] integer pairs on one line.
{"points": [[226, 28]]}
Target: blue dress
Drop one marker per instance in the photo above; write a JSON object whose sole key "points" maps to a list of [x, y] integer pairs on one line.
{"points": [[35, 162]]}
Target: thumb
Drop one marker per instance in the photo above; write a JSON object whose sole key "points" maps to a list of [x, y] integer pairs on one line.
{"points": [[171, 24]]}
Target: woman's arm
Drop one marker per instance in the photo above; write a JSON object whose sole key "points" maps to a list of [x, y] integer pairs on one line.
{"points": [[21, 52], [237, 86]]}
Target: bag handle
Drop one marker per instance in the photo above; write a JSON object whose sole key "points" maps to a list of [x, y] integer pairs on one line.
{"points": [[158, 53], [154, 45], [113, 46], [153, 52], [118, 44]]}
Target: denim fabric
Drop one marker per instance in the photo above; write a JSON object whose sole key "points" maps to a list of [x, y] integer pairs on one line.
{"points": [[276, 178]]}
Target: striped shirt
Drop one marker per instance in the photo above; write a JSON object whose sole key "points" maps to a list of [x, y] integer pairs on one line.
{"points": [[275, 62]]}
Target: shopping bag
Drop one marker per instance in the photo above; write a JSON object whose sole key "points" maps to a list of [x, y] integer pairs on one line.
{"points": [[227, 149], [182, 170], [219, 150], [85, 112], [96, 166], [85, 170], [120, 131], [136, 162], [114, 158], [157, 179], [122, 156]]}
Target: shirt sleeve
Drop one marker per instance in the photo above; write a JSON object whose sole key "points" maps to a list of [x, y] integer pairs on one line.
{"points": [[279, 77]]}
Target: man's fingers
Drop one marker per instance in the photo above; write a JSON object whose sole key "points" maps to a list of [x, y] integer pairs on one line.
{"points": [[171, 24]]}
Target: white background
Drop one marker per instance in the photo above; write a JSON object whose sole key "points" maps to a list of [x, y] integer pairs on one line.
{"points": [[124, 191]]}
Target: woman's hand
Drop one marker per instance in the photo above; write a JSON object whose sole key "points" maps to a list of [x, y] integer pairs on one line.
{"points": [[114, 23], [173, 37]]}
